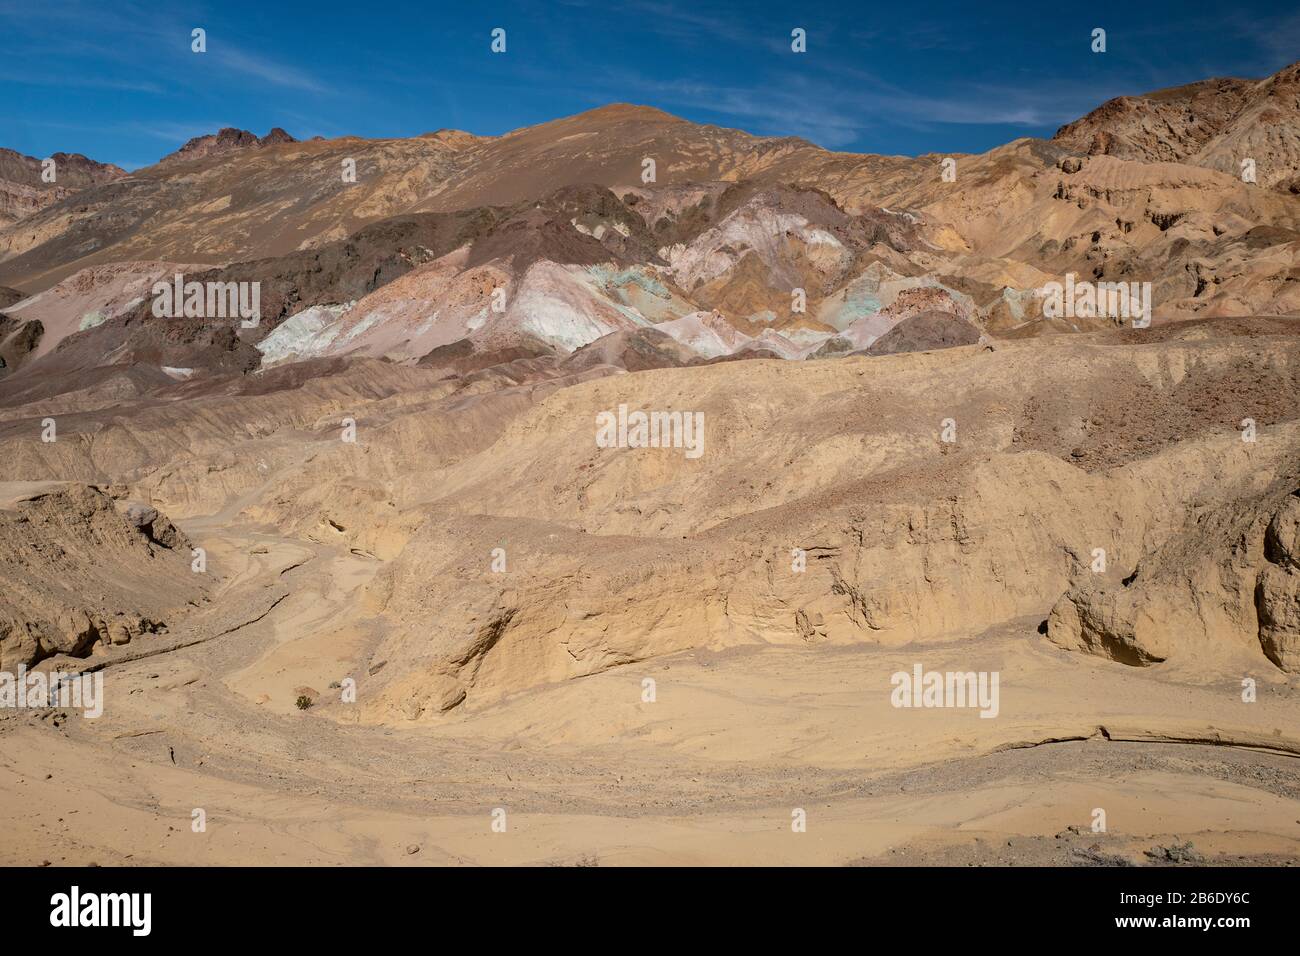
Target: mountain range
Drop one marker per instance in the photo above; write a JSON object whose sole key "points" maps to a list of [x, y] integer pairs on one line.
{"points": [[625, 218], [348, 538]]}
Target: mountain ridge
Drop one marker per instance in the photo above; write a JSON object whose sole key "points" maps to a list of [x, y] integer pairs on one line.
{"points": [[24, 191], [1217, 123], [626, 216]]}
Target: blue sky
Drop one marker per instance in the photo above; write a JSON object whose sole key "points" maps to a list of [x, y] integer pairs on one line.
{"points": [[116, 80]]}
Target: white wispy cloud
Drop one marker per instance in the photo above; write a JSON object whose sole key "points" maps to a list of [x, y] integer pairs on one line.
{"points": [[251, 65], [165, 131], [178, 133], [835, 111], [83, 81], [114, 33]]}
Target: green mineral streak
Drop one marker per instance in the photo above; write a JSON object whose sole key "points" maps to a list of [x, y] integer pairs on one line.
{"points": [[854, 305], [615, 279]]}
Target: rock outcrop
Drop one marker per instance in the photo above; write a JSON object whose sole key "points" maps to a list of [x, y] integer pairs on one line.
{"points": [[1219, 124], [80, 570], [225, 141], [926, 330], [1228, 580], [1277, 594]]}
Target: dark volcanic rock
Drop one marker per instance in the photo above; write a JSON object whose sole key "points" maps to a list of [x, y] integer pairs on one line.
{"points": [[18, 339], [227, 140], [925, 330], [633, 349]]}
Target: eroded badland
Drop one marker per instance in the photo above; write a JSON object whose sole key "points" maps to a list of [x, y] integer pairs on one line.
{"points": [[365, 583]]}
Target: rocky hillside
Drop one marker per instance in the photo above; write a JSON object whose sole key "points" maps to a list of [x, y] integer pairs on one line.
{"points": [[233, 204], [542, 241], [85, 569], [1216, 123], [24, 192]]}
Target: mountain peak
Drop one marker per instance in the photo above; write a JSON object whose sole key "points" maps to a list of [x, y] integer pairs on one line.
{"points": [[629, 111], [1213, 123], [227, 140], [455, 138]]}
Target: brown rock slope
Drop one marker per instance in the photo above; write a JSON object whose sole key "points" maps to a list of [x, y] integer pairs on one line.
{"points": [[931, 329], [23, 190], [1229, 578], [228, 205], [607, 146], [82, 571], [1174, 212], [1217, 124]]}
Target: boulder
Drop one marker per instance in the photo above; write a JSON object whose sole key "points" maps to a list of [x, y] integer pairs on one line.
{"points": [[73, 633], [17, 646], [1108, 622], [153, 525], [1277, 599]]}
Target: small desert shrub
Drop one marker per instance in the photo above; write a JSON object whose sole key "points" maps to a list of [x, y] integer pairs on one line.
{"points": [[303, 702]]}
